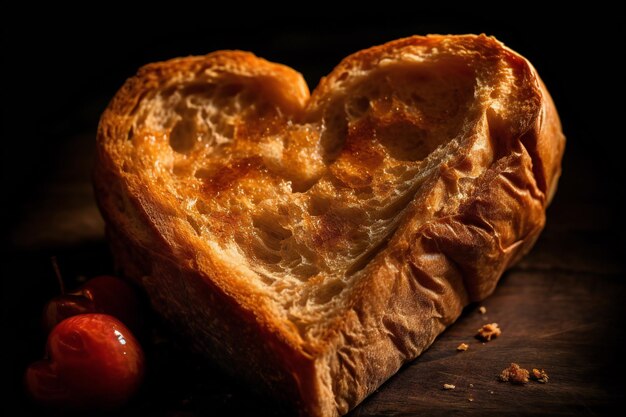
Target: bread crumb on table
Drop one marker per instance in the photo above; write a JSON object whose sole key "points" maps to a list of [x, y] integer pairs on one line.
{"points": [[482, 309], [514, 374], [448, 386], [539, 375], [488, 332], [462, 347]]}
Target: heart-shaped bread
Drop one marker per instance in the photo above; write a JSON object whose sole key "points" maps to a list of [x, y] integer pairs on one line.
{"points": [[316, 243]]}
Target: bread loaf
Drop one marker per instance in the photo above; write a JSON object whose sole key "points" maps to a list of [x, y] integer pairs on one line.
{"points": [[314, 243]]}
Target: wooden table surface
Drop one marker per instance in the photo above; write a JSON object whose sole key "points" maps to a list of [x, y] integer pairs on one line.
{"points": [[562, 308]]}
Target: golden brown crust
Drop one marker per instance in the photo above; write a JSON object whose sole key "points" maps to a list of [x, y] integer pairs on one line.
{"points": [[317, 244]]}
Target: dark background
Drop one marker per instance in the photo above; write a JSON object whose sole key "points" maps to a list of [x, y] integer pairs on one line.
{"points": [[61, 72], [62, 66]]}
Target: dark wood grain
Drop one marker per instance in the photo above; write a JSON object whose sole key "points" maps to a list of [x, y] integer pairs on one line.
{"points": [[550, 320]]}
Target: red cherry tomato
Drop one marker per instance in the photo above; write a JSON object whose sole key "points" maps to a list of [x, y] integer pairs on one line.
{"points": [[94, 362], [104, 294]]}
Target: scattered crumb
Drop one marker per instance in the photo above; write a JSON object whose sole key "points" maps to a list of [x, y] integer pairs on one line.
{"points": [[471, 385], [488, 332], [514, 374], [491, 392], [470, 399], [462, 347], [482, 309], [539, 375], [448, 386]]}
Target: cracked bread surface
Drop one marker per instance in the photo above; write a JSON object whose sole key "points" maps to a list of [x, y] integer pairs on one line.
{"points": [[315, 243]]}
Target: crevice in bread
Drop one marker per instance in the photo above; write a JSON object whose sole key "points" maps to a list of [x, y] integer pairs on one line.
{"points": [[346, 229]]}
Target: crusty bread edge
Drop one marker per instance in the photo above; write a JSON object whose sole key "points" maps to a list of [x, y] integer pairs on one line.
{"points": [[545, 143], [152, 256]]}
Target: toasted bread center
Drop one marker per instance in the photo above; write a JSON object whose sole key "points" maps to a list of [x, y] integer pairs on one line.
{"points": [[305, 198]]}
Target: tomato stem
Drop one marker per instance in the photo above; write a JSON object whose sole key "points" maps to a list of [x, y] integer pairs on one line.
{"points": [[57, 272]]}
